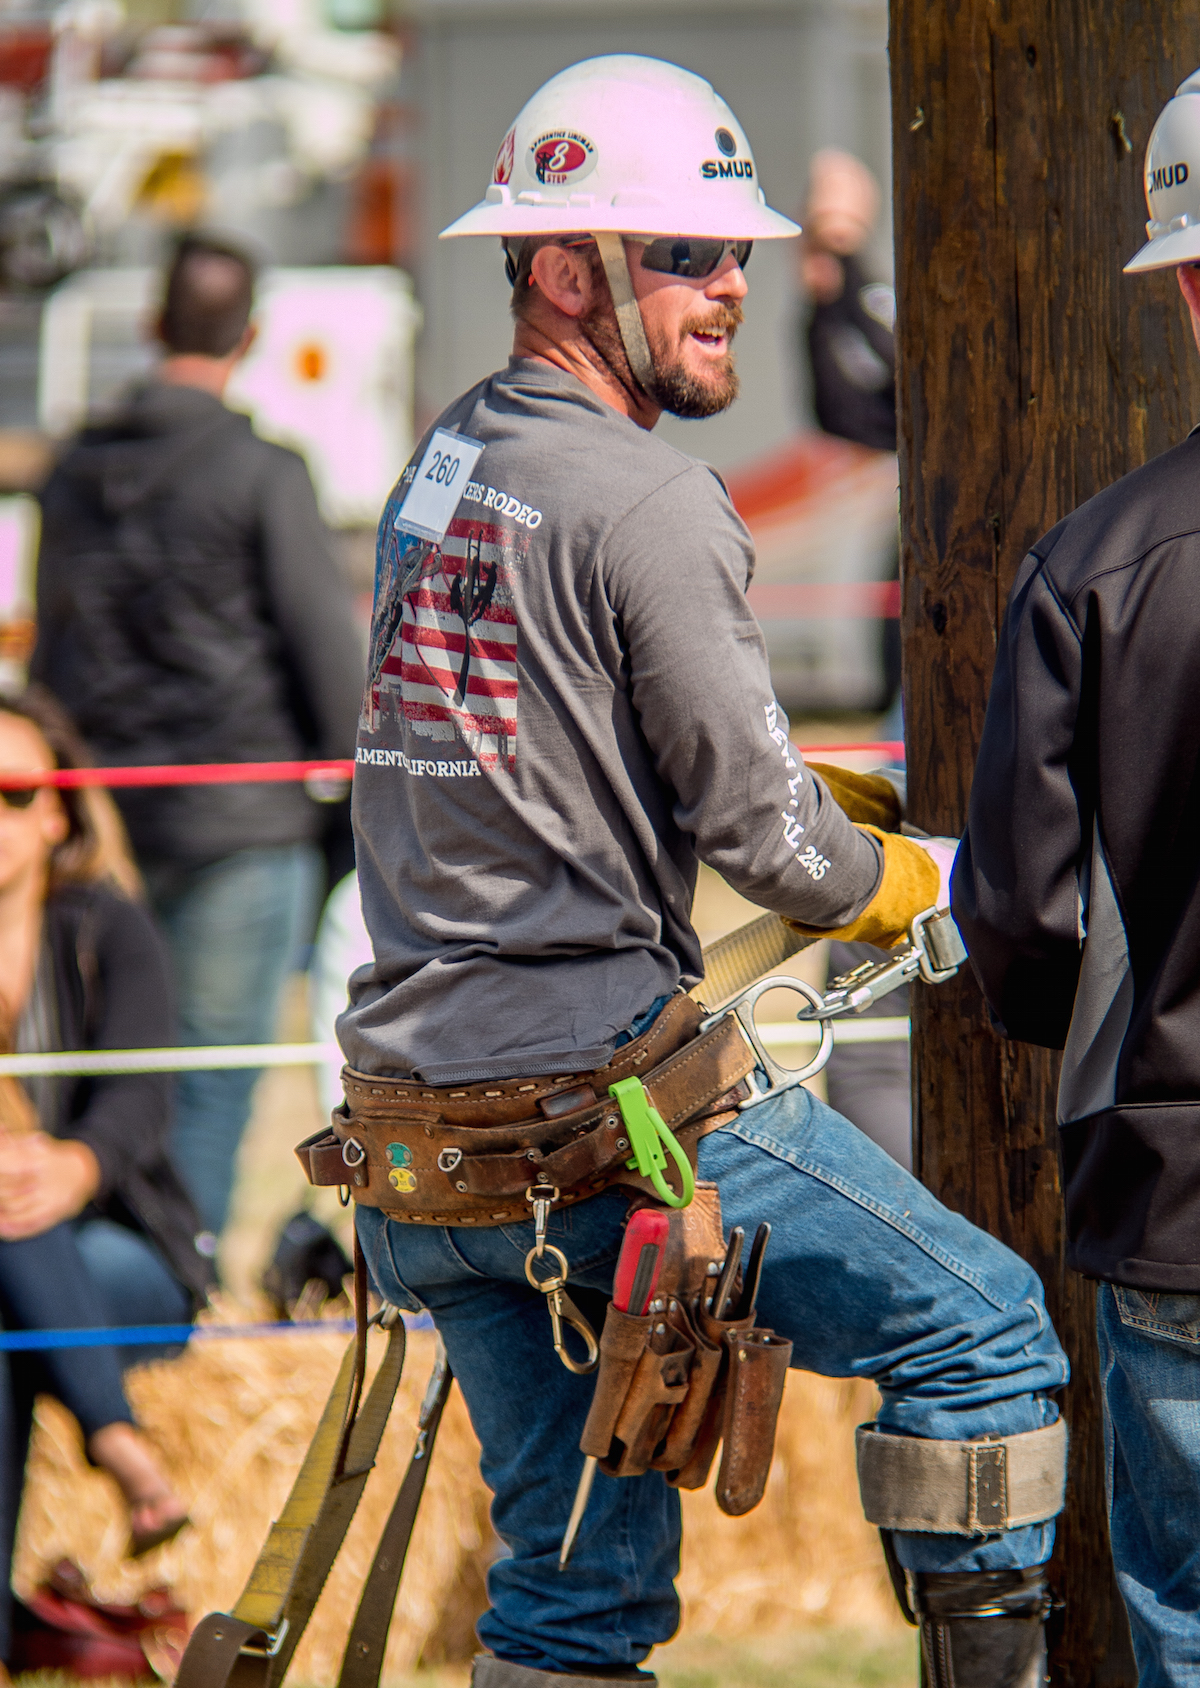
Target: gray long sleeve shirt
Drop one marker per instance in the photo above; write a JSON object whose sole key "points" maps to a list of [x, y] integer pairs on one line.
{"points": [[568, 707]]}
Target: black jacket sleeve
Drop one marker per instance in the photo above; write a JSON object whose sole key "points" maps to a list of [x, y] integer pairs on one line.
{"points": [[1016, 884], [310, 605], [124, 1120], [853, 359]]}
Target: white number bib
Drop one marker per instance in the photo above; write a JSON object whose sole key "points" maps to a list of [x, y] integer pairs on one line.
{"points": [[437, 487]]}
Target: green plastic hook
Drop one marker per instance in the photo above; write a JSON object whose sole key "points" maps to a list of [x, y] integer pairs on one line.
{"points": [[648, 1136]]}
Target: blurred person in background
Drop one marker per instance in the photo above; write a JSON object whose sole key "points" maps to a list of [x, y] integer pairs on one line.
{"points": [[848, 330], [189, 610], [95, 1228], [849, 345]]}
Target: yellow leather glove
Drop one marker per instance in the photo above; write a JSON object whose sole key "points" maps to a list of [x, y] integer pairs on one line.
{"points": [[910, 884], [869, 799]]}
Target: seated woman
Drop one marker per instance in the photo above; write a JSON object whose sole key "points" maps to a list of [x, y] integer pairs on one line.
{"points": [[95, 1228]]}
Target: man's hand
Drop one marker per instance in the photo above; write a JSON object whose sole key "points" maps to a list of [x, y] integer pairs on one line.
{"points": [[43, 1180]]}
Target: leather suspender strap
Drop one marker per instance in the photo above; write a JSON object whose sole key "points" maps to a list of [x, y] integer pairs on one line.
{"points": [[363, 1658]]}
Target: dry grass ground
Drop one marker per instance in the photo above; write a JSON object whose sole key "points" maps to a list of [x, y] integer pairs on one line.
{"points": [[794, 1594]]}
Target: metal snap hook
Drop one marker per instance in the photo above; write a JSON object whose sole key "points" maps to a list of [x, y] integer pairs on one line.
{"points": [[564, 1311]]}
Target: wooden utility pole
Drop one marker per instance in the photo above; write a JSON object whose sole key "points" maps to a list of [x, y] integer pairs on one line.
{"points": [[1032, 374]]}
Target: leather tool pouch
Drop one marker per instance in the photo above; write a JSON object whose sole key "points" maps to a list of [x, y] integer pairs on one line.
{"points": [[673, 1384]]}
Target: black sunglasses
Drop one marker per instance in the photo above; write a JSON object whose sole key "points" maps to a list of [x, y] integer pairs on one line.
{"points": [[18, 797], [693, 257], [690, 256]]}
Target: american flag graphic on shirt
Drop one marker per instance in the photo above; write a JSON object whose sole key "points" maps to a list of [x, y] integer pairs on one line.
{"points": [[446, 653]]}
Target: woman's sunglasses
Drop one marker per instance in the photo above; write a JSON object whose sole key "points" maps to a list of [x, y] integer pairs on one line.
{"points": [[18, 797]]}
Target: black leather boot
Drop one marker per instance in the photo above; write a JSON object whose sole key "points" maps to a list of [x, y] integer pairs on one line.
{"points": [[981, 1629]]}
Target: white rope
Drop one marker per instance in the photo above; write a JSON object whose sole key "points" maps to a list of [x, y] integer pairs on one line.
{"points": [[884, 1028], [101, 1063]]}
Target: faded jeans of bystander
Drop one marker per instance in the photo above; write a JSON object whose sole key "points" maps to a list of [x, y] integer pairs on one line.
{"points": [[235, 927], [1150, 1375], [82, 1275], [866, 1273]]}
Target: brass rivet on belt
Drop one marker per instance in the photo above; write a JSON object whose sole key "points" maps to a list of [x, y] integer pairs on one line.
{"points": [[613, 1121], [460, 1186], [622, 1142], [741, 1353], [531, 1154]]}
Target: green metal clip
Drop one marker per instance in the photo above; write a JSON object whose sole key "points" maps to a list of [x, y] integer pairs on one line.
{"points": [[648, 1136]]}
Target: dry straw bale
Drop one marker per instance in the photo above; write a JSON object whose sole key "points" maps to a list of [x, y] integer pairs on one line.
{"points": [[234, 1418]]}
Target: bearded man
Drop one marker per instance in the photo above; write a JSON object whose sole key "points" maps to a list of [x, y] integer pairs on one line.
{"points": [[569, 708]]}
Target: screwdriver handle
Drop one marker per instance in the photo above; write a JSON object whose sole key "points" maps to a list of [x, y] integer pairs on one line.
{"points": [[647, 1230]]}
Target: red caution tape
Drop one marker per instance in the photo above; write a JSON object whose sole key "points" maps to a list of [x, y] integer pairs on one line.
{"points": [[810, 600], [183, 773], [278, 773]]}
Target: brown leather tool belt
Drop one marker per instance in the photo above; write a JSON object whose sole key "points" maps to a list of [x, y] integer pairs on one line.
{"points": [[467, 1154]]}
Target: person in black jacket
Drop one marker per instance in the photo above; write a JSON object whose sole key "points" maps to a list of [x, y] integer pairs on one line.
{"points": [[189, 611], [1077, 890], [95, 1228]]}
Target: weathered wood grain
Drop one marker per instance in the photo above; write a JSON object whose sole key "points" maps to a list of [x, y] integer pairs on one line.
{"points": [[1032, 374]]}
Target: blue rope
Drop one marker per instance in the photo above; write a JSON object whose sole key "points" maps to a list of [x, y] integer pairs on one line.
{"points": [[145, 1336]]}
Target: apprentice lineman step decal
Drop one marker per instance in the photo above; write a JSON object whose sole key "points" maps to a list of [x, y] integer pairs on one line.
{"points": [[446, 653]]}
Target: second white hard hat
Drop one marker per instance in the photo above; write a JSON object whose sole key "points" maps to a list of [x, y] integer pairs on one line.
{"points": [[1173, 184], [629, 145]]}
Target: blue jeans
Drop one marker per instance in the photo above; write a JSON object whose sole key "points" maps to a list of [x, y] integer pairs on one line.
{"points": [[88, 1273], [866, 1273], [235, 928], [1150, 1375]]}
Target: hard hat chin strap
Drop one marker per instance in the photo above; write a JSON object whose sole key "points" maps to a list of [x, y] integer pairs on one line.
{"points": [[611, 248]]}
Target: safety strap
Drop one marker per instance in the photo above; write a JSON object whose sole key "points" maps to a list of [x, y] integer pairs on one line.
{"points": [[629, 318], [738, 960], [363, 1658], [253, 1646], [961, 1488]]}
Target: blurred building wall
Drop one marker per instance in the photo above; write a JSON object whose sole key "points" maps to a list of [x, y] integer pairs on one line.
{"points": [[800, 74]]}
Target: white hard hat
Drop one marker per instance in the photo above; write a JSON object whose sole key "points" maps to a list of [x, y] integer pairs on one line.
{"points": [[628, 145], [1173, 183]]}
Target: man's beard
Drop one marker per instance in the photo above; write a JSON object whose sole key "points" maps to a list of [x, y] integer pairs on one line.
{"points": [[676, 388]]}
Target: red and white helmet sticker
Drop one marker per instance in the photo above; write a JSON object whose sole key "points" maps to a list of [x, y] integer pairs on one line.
{"points": [[561, 155]]}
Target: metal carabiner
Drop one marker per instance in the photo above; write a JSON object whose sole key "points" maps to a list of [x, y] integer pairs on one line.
{"points": [[780, 1078], [562, 1310]]}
